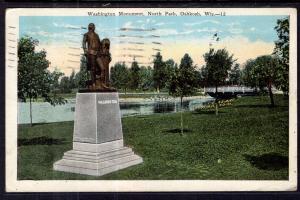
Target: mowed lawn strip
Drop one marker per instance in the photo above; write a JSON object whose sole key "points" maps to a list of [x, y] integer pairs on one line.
{"points": [[248, 140]]}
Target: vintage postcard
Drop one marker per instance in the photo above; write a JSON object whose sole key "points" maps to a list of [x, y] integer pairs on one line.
{"points": [[151, 99]]}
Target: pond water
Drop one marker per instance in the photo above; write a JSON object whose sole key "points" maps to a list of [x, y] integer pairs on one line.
{"points": [[43, 112]]}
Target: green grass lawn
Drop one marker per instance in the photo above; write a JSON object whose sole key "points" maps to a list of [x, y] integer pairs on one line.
{"points": [[247, 141]]}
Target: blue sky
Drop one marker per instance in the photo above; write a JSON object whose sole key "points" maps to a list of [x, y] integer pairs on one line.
{"points": [[66, 31], [253, 27]]}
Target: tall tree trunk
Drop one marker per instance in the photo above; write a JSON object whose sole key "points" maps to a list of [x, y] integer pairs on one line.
{"points": [[217, 102], [30, 111], [271, 94], [181, 118]]}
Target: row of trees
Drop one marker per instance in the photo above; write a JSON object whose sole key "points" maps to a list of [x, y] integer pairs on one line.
{"points": [[133, 78], [66, 84], [142, 78], [157, 78]]}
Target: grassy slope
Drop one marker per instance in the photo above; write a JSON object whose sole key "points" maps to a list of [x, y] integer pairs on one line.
{"points": [[248, 140]]}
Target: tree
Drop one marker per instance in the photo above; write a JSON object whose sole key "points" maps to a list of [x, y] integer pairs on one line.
{"points": [[249, 77], [72, 80], [146, 77], [235, 75], [65, 86], [183, 82], [202, 77], [263, 73], [281, 50], [170, 67], [56, 74], [34, 79], [159, 73], [119, 76], [134, 74], [81, 77], [218, 63]]}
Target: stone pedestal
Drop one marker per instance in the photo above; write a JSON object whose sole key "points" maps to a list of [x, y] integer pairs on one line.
{"points": [[98, 146]]}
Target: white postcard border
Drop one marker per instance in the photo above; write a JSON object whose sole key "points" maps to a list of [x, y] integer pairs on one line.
{"points": [[14, 185]]}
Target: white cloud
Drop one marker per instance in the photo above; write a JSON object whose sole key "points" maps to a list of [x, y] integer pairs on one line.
{"points": [[128, 25], [186, 32], [63, 25], [51, 37], [252, 29], [201, 22], [232, 24], [159, 24], [165, 32], [171, 32], [235, 30], [208, 30]]}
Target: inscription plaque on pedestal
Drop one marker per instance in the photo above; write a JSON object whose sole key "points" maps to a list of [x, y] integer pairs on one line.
{"points": [[98, 146]]}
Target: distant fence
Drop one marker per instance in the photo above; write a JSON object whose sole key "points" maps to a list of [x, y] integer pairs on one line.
{"points": [[232, 89], [227, 92]]}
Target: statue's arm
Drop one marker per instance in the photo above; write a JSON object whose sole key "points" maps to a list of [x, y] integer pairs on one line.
{"points": [[84, 41], [100, 44]]}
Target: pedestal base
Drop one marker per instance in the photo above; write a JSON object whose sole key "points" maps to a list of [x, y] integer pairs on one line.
{"points": [[97, 160], [98, 146]]}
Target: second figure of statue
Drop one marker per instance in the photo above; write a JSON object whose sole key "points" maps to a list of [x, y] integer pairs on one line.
{"points": [[98, 59]]}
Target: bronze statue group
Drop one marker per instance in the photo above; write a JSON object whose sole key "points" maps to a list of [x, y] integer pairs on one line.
{"points": [[98, 59]]}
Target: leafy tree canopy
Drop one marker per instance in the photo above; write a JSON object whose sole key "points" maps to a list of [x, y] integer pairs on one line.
{"points": [[134, 74], [34, 78], [281, 50], [218, 63], [146, 77], [235, 75], [159, 72], [183, 81], [119, 75], [262, 73]]}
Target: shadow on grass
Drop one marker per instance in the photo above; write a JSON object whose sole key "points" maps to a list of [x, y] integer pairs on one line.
{"points": [[260, 106], [270, 161], [141, 116], [40, 141], [177, 130], [43, 123], [206, 112]]}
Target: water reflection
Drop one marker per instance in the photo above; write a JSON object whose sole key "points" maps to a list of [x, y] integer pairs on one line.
{"points": [[145, 108], [43, 112]]}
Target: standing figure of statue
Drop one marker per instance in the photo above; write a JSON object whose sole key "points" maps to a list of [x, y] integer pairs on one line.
{"points": [[105, 58], [98, 59]]}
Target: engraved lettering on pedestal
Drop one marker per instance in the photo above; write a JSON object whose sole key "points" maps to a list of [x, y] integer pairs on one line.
{"points": [[108, 102]]}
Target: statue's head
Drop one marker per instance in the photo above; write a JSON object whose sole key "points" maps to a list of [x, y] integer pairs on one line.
{"points": [[91, 27], [105, 45]]}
